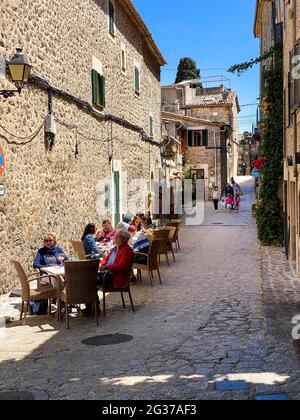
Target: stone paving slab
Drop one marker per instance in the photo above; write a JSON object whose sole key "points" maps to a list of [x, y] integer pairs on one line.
{"points": [[223, 313]]}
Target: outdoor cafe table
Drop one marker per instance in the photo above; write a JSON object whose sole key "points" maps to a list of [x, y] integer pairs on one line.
{"points": [[55, 271]]}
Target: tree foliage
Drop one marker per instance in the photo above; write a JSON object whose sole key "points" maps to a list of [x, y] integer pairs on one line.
{"points": [[187, 70]]}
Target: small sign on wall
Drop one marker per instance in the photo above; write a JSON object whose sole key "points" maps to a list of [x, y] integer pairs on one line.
{"points": [[2, 161], [2, 190]]}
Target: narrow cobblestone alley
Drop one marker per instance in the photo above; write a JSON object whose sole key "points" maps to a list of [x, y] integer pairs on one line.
{"points": [[218, 328]]}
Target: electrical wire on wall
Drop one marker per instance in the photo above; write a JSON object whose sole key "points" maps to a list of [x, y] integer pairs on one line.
{"points": [[28, 139]]}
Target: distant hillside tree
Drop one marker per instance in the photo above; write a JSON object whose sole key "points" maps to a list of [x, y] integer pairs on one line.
{"points": [[187, 70]]}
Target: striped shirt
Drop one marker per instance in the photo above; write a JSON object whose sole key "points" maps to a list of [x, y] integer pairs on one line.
{"points": [[140, 242]]}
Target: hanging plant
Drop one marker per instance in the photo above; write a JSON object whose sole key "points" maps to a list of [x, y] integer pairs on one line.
{"points": [[269, 207]]}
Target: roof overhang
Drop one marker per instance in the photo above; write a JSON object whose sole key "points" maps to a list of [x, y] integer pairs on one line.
{"points": [[258, 18], [184, 119], [138, 22]]}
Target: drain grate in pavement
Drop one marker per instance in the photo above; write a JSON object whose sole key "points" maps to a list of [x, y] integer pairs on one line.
{"points": [[275, 397], [16, 396], [232, 386], [107, 340]]}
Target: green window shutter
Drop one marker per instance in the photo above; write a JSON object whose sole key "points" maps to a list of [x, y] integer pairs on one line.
{"points": [[205, 138], [101, 91], [95, 86], [190, 138], [137, 80]]}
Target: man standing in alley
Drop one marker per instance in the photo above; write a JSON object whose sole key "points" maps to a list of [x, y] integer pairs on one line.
{"points": [[244, 168]]}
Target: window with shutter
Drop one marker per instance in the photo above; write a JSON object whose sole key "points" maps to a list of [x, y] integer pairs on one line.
{"points": [[111, 8], [137, 80], [98, 89], [291, 91], [190, 138], [197, 139], [123, 58], [101, 91], [94, 86], [205, 138], [297, 78]]}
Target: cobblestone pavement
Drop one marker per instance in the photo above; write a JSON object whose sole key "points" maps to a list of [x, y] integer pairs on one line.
{"points": [[223, 313]]}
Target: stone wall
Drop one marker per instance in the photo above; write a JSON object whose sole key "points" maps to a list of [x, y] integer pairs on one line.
{"points": [[61, 191], [291, 135]]}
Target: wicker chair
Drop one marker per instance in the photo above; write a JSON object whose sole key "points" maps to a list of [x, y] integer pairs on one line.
{"points": [[80, 285], [176, 224], [79, 250], [163, 235], [110, 289], [152, 261], [42, 293], [172, 238]]}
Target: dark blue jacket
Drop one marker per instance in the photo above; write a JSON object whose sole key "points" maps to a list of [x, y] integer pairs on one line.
{"points": [[90, 245], [48, 257], [229, 190]]}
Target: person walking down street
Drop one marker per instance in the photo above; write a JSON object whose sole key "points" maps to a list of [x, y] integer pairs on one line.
{"points": [[244, 168], [229, 202], [236, 202], [236, 187], [228, 190], [216, 198]]}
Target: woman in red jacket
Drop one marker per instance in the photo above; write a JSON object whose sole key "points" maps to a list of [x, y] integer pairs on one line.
{"points": [[120, 261]]}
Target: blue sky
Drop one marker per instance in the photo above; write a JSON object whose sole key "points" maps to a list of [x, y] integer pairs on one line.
{"points": [[217, 34]]}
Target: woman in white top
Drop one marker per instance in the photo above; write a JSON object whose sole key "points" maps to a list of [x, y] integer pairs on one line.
{"points": [[216, 198]]}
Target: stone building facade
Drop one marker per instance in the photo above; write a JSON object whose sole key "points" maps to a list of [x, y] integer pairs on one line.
{"points": [[291, 48], [96, 68], [208, 123], [248, 150]]}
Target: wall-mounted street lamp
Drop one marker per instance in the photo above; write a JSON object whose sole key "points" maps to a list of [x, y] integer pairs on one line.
{"points": [[19, 70]]}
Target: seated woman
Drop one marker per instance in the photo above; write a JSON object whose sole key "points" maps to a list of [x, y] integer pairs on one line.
{"points": [[137, 222], [140, 243], [107, 233], [50, 255], [89, 241], [119, 262], [149, 219]]}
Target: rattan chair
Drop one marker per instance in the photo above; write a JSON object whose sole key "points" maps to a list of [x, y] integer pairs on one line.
{"points": [[80, 285], [79, 250], [177, 224], [163, 234], [172, 238], [41, 293], [152, 262], [110, 289]]}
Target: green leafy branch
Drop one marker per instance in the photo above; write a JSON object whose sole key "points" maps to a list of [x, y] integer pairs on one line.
{"points": [[275, 52]]}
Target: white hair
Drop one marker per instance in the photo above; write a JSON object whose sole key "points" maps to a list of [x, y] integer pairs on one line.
{"points": [[124, 234]]}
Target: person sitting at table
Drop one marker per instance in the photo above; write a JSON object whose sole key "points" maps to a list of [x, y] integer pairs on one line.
{"points": [[50, 255], [148, 218], [137, 222], [126, 221], [107, 233], [140, 243], [89, 241], [119, 262]]}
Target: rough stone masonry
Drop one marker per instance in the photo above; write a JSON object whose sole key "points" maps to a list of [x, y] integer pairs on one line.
{"points": [[63, 190]]}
